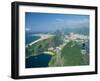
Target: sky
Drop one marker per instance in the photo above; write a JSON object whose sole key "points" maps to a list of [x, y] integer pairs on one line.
{"points": [[44, 22]]}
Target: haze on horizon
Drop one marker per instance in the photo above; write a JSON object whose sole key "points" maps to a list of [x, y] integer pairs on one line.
{"points": [[37, 22]]}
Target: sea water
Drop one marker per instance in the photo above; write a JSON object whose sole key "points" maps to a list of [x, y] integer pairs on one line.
{"points": [[41, 60], [29, 37]]}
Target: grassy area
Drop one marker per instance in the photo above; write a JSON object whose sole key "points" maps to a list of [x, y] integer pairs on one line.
{"points": [[86, 59], [52, 61], [72, 54], [38, 47], [56, 60]]}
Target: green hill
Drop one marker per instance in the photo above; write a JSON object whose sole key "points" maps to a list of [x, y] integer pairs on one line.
{"points": [[72, 54]]}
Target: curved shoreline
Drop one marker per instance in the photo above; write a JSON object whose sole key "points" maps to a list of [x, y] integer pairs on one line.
{"points": [[42, 37], [45, 52]]}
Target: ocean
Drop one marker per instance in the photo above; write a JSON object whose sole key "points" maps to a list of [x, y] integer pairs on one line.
{"points": [[29, 37], [41, 60]]}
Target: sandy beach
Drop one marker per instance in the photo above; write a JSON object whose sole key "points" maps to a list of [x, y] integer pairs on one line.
{"points": [[42, 37]]}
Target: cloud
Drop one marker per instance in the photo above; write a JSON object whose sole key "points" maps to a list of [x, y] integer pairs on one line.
{"points": [[27, 29], [77, 23], [59, 20]]}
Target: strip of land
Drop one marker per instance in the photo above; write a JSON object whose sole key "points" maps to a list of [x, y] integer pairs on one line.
{"points": [[42, 37]]}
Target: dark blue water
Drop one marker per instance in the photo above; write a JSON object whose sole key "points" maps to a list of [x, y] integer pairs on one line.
{"points": [[41, 60], [30, 38], [86, 46]]}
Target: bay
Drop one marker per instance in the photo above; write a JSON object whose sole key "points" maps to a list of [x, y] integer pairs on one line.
{"points": [[29, 37], [41, 60]]}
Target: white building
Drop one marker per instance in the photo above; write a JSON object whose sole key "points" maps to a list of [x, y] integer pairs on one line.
{"points": [[83, 51], [73, 36]]}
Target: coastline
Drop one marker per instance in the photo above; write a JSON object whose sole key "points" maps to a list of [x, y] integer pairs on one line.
{"points": [[42, 37]]}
